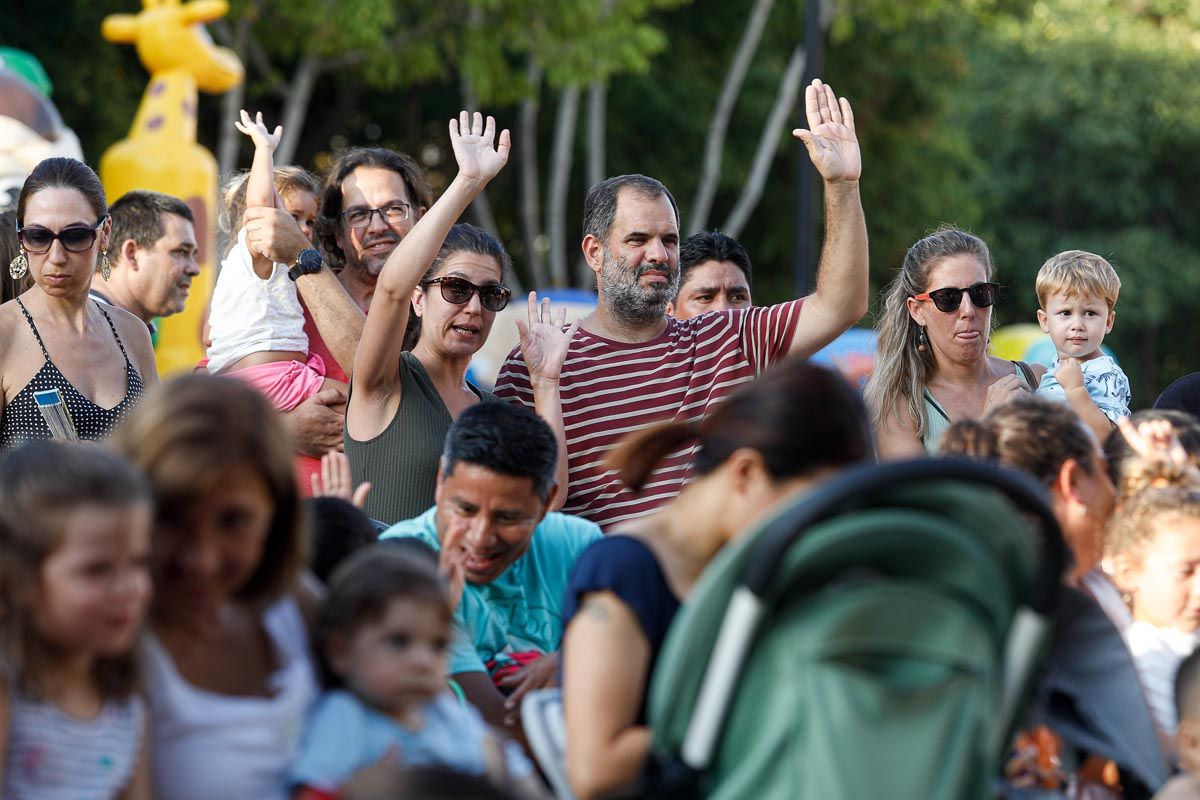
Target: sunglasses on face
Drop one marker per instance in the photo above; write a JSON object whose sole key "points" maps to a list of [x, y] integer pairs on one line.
{"points": [[458, 291], [950, 298], [75, 238]]}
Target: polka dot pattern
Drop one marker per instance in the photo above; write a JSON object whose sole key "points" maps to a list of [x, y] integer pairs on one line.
{"points": [[22, 422]]}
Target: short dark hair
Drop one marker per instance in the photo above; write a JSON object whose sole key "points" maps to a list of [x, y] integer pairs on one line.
{"points": [[331, 196], [361, 588], [505, 438], [700, 248], [138, 215], [600, 203], [63, 173], [336, 529], [1187, 687]]}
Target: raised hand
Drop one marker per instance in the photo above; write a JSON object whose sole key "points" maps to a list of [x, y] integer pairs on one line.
{"points": [[831, 141], [544, 342], [334, 480], [480, 157], [256, 129]]}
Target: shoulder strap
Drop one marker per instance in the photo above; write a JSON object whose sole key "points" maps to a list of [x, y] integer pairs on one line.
{"points": [[1027, 371], [113, 328], [930, 400], [33, 328]]}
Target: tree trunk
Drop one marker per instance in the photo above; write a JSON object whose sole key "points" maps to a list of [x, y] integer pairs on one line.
{"points": [[596, 131], [535, 251], [295, 107], [714, 145], [228, 138], [560, 181], [768, 144]]}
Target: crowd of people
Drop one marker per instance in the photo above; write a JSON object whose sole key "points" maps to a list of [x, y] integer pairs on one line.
{"points": [[327, 564]]}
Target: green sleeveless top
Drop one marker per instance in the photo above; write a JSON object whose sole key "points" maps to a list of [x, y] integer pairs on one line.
{"points": [[402, 461], [937, 420]]}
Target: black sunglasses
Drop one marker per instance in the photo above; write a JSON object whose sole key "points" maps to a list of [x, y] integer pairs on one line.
{"points": [[950, 298], [458, 291], [75, 238]]}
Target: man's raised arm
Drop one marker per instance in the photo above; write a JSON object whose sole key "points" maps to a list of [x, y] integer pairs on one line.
{"points": [[841, 296]]}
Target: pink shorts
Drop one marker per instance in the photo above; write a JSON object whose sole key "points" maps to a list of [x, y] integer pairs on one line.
{"points": [[286, 384]]}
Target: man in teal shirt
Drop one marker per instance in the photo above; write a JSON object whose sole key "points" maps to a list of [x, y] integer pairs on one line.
{"points": [[491, 527]]}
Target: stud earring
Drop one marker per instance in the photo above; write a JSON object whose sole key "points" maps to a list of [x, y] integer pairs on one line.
{"points": [[18, 266], [105, 266], [921, 341]]}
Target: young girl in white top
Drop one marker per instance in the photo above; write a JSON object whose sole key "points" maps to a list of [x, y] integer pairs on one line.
{"points": [[383, 632], [1155, 547], [257, 323], [74, 542]]}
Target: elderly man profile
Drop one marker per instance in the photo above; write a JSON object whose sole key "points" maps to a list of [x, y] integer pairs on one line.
{"points": [[491, 520], [714, 275], [153, 254], [631, 365]]}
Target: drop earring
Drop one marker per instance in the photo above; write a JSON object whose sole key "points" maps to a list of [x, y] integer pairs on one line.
{"points": [[105, 266], [921, 341], [18, 266]]}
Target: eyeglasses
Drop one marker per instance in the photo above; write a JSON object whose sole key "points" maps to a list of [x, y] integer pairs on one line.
{"points": [[360, 218], [950, 298], [458, 291], [75, 238]]}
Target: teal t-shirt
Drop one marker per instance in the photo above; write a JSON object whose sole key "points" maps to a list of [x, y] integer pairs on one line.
{"points": [[521, 611]]}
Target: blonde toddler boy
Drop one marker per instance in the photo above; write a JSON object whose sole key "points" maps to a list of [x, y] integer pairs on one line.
{"points": [[1077, 292]]}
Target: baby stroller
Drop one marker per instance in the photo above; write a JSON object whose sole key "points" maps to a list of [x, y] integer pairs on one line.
{"points": [[875, 639]]}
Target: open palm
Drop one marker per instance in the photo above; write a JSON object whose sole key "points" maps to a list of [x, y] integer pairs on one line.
{"points": [[831, 140], [544, 341], [478, 153]]}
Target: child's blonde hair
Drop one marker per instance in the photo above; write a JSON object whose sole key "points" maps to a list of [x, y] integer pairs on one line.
{"points": [[1132, 527], [233, 194], [1076, 273], [40, 484]]}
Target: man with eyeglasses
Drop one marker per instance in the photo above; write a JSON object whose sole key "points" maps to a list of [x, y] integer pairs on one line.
{"points": [[153, 253], [371, 199], [630, 365]]}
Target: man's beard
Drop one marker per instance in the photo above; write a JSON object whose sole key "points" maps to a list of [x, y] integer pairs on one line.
{"points": [[628, 300], [370, 264]]}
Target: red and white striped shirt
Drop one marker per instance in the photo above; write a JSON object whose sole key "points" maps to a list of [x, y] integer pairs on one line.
{"points": [[609, 389]]}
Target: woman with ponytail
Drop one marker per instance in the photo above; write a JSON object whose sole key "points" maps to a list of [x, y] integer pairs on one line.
{"points": [[931, 365], [793, 427]]}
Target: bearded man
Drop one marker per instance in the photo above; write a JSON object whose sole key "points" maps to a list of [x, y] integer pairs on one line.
{"points": [[630, 365]]}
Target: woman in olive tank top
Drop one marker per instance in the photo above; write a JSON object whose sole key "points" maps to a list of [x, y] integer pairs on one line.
{"points": [[449, 278]]}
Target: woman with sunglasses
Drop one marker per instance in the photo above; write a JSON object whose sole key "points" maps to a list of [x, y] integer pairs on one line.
{"points": [[449, 278], [932, 367], [53, 337]]}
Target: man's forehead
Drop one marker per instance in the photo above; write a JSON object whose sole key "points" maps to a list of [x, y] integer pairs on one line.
{"points": [[716, 275], [178, 229], [487, 488], [374, 184], [639, 210]]}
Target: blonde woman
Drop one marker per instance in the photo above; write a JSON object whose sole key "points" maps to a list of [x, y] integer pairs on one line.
{"points": [[932, 366]]}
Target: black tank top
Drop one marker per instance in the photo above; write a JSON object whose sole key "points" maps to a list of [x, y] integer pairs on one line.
{"points": [[21, 422]]}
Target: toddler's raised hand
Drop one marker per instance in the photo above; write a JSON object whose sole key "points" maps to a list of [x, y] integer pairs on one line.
{"points": [[256, 129]]}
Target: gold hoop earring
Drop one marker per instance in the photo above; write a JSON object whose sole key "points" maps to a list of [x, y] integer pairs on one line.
{"points": [[105, 265], [19, 266]]}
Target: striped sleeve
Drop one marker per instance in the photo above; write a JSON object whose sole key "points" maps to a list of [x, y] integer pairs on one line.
{"points": [[512, 384], [766, 332]]}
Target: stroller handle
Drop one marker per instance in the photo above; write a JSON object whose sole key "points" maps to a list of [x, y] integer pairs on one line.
{"points": [[784, 530]]}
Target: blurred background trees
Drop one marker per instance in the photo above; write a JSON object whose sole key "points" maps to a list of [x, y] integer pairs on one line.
{"points": [[1042, 125]]}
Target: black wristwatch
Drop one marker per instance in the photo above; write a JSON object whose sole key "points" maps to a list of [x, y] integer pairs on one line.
{"points": [[307, 263]]}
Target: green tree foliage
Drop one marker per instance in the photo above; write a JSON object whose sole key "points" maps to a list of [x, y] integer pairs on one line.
{"points": [[1087, 116]]}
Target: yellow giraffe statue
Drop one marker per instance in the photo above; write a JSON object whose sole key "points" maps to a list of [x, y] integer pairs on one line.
{"points": [[161, 152]]}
